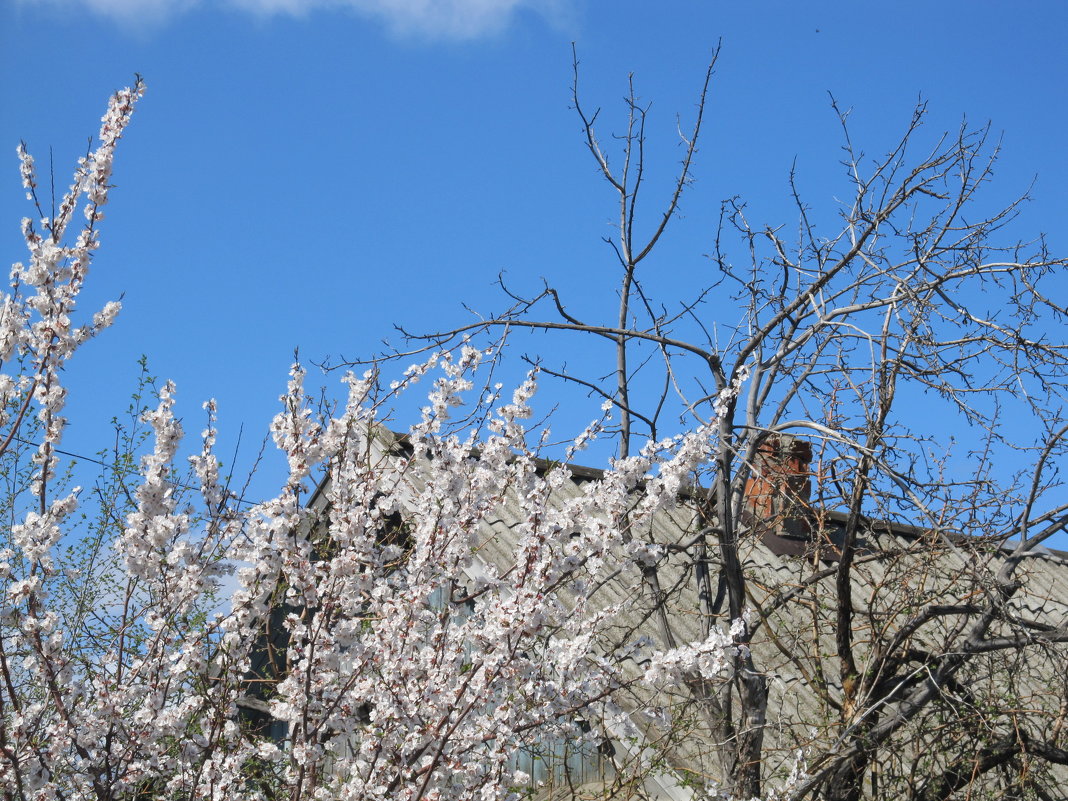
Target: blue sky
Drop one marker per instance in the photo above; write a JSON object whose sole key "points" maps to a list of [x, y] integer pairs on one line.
{"points": [[307, 174]]}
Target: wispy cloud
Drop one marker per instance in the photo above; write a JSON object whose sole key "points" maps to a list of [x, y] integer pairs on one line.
{"points": [[436, 19]]}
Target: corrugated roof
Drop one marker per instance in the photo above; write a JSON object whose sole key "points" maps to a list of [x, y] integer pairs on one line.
{"points": [[901, 571]]}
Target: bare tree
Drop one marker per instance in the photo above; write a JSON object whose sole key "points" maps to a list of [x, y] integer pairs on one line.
{"points": [[893, 578]]}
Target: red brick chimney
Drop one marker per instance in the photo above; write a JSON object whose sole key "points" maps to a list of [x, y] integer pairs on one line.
{"points": [[777, 494]]}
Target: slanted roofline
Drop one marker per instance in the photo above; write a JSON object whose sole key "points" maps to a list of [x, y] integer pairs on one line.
{"points": [[400, 445]]}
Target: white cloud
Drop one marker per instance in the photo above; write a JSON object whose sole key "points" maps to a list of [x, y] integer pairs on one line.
{"points": [[441, 19]]}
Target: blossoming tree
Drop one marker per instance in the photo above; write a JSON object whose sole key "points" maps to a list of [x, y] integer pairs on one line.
{"points": [[411, 666]]}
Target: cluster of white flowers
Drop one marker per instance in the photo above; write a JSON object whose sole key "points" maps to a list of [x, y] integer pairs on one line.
{"points": [[708, 660], [721, 405]]}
